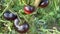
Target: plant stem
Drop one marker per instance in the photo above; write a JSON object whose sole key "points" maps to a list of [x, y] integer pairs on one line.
{"points": [[8, 6], [29, 2], [37, 3]]}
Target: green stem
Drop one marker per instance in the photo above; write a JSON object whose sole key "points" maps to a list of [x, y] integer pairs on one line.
{"points": [[6, 8], [24, 17], [16, 14], [29, 2], [5, 21]]}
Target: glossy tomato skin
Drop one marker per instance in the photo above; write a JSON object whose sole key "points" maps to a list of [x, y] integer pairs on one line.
{"points": [[22, 28], [28, 9], [43, 3], [9, 16]]}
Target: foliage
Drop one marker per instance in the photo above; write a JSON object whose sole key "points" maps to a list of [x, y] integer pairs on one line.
{"points": [[43, 21]]}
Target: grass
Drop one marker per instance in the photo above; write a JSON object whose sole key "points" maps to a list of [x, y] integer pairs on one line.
{"points": [[44, 21]]}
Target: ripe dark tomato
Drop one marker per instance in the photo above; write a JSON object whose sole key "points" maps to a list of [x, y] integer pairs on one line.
{"points": [[43, 3], [28, 9], [22, 28], [9, 16]]}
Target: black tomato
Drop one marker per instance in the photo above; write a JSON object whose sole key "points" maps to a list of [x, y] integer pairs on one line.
{"points": [[22, 28], [9, 16], [28, 9], [43, 3]]}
